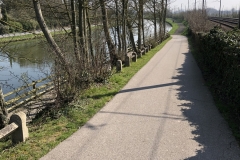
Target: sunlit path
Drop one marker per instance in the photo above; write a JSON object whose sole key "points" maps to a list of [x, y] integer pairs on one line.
{"points": [[164, 112]]}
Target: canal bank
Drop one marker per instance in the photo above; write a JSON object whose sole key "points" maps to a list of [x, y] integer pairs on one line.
{"points": [[30, 60], [52, 128]]}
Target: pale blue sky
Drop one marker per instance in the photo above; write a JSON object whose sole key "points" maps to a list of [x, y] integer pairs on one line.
{"points": [[226, 4]]}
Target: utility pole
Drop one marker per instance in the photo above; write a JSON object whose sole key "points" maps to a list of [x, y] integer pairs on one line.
{"points": [[220, 8], [195, 5], [239, 18], [188, 4], [203, 6]]}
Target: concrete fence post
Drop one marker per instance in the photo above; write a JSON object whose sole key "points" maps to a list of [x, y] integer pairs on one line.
{"points": [[139, 53], [127, 61], [21, 133], [149, 46], [119, 65], [143, 51], [134, 59], [147, 49]]}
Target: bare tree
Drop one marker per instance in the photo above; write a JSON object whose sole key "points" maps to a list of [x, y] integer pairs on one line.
{"points": [[110, 44], [51, 41]]}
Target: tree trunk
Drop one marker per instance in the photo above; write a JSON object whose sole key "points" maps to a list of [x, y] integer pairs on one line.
{"points": [[161, 19], [74, 30], [164, 18], [140, 3], [124, 20], [118, 25], [85, 31], [110, 44], [80, 26], [89, 34], [3, 111], [155, 19], [143, 37], [48, 36], [131, 37]]}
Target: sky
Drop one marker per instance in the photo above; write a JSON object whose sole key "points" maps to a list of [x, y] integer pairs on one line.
{"points": [[226, 4]]}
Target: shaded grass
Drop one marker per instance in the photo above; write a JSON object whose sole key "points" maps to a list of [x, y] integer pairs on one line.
{"points": [[47, 132], [185, 32]]}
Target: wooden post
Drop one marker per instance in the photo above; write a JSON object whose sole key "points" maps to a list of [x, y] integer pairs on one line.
{"points": [[3, 111]]}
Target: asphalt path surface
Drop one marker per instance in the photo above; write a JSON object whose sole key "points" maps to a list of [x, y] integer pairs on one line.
{"points": [[165, 112]]}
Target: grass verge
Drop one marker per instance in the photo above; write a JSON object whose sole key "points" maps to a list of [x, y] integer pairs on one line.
{"points": [[47, 132], [174, 26], [27, 37], [19, 38]]}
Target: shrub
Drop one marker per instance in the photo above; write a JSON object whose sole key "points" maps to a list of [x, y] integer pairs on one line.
{"points": [[15, 26], [220, 54], [29, 25], [4, 29]]}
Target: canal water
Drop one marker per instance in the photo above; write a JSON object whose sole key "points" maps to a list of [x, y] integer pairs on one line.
{"points": [[26, 61], [23, 62]]}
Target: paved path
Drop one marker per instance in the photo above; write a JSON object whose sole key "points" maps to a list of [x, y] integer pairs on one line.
{"points": [[164, 113]]}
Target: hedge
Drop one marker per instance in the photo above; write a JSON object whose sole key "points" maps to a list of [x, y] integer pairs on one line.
{"points": [[220, 57]]}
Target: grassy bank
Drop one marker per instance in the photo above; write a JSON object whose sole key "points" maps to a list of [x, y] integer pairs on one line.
{"points": [[19, 38], [48, 131], [174, 25], [27, 37]]}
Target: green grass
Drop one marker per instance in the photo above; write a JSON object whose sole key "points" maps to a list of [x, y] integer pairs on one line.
{"points": [[174, 26], [19, 38], [27, 37], [46, 132]]}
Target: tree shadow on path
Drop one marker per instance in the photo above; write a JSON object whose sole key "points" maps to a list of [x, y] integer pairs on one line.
{"points": [[209, 128]]}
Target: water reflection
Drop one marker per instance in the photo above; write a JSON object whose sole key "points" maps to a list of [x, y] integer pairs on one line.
{"points": [[23, 62], [32, 54], [26, 61]]}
